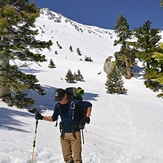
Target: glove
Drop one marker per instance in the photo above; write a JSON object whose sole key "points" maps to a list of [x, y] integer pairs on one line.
{"points": [[84, 120], [38, 115]]}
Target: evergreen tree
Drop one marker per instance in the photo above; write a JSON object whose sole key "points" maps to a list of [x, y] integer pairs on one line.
{"points": [[78, 51], [114, 83], [71, 50], [125, 58], [161, 3], [70, 77], [78, 76], [60, 47], [51, 64], [88, 59], [146, 44], [156, 75], [17, 41]]}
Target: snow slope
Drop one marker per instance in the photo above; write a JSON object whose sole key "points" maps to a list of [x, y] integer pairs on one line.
{"points": [[123, 129]]}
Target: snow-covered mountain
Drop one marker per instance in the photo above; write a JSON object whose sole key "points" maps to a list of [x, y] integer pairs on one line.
{"points": [[92, 41], [123, 129]]}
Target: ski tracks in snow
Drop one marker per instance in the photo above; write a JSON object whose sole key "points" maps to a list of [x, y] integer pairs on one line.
{"points": [[121, 111], [132, 129]]}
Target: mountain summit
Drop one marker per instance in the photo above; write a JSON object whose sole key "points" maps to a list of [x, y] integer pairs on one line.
{"points": [[64, 33]]}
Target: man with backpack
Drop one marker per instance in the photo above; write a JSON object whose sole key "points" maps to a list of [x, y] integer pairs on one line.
{"points": [[74, 115]]}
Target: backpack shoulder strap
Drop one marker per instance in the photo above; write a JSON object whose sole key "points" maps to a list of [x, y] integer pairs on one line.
{"points": [[57, 110], [73, 107]]}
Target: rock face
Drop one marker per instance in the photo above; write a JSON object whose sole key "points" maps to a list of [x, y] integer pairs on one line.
{"points": [[107, 64]]}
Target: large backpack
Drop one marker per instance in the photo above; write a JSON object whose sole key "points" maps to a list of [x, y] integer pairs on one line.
{"points": [[74, 94]]}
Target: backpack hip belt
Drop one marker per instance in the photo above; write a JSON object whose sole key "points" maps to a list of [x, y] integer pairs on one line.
{"points": [[68, 129]]}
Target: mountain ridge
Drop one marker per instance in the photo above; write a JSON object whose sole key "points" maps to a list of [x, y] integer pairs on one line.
{"points": [[56, 27]]}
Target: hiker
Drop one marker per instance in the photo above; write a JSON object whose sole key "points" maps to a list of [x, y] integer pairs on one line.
{"points": [[69, 125]]}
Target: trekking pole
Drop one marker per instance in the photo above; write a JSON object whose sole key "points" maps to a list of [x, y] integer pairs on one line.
{"points": [[83, 136], [34, 142]]}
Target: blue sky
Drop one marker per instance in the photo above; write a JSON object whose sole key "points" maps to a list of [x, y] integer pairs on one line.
{"points": [[104, 13]]}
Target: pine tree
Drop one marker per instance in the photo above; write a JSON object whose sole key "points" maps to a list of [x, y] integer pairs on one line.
{"points": [[88, 59], [125, 58], [71, 50], [60, 47], [51, 64], [156, 75], [70, 77], [161, 3], [78, 76], [78, 51], [17, 41], [114, 83], [147, 44]]}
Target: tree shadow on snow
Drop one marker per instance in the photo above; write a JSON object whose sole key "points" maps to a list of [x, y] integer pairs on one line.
{"points": [[138, 72], [47, 102], [7, 116], [8, 121], [90, 96], [30, 70]]}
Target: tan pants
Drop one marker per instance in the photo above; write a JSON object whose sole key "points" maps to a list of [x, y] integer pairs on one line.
{"points": [[72, 148]]}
